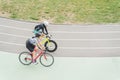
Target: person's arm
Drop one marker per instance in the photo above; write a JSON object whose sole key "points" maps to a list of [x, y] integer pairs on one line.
{"points": [[46, 30], [40, 45]]}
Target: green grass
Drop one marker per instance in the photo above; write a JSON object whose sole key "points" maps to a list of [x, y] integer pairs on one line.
{"points": [[62, 11]]}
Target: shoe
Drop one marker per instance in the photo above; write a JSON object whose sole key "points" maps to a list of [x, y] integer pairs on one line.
{"points": [[35, 62]]}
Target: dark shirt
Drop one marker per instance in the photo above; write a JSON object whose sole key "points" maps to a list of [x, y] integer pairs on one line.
{"points": [[41, 27]]}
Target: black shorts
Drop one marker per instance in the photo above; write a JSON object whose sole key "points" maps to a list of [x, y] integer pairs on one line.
{"points": [[30, 46]]}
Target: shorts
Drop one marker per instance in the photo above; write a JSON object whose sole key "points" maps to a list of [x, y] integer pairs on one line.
{"points": [[30, 46]]}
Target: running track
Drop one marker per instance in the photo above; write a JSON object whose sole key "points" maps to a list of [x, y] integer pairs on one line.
{"points": [[73, 40]]}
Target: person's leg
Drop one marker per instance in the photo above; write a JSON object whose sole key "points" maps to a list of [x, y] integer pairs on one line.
{"points": [[32, 49], [34, 53]]}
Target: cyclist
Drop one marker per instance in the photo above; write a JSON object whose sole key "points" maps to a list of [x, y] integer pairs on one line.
{"points": [[41, 28], [32, 44]]}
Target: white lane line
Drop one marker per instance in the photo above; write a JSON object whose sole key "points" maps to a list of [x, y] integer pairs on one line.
{"points": [[63, 39], [13, 35], [115, 39], [11, 43], [89, 47], [65, 47], [16, 28], [64, 32], [71, 32]]}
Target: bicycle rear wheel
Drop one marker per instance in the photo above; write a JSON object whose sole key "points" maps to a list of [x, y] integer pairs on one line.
{"points": [[46, 59], [25, 58]]}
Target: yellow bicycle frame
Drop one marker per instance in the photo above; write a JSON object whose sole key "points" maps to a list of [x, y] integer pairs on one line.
{"points": [[44, 40]]}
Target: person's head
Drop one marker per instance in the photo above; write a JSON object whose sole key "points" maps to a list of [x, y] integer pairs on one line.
{"points": [[46, 23], [37, 34]]}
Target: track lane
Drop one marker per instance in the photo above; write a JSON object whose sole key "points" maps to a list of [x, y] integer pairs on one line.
{"points": [[73, 40]]}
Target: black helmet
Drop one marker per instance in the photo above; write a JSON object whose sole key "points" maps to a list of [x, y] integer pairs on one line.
{"points": [[37, 34]]}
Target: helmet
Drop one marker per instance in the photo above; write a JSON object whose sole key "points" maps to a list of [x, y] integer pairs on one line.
{"points": [[37, 34], [45, 23]]}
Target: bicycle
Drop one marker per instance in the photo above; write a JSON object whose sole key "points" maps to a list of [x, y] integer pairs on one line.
{"points": [[45, 59], [50, 45]]}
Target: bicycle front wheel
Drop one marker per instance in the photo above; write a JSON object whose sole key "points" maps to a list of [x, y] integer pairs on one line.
{"points": [[51, 46], [46, 59], [25, 58]]}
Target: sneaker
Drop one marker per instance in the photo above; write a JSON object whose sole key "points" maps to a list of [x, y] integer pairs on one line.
{"points": [[35, 62]]}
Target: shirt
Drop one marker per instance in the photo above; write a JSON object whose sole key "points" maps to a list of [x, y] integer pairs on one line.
{"points": [[34, 40], [41, 28]]}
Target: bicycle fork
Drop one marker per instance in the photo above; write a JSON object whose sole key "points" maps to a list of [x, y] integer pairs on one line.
{"points": [[45, 57]]}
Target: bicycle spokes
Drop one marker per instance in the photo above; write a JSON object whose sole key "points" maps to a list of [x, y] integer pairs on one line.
{"points": [[45, 57], [50, 45], [46, 60], [25, 58], [28, 59]]}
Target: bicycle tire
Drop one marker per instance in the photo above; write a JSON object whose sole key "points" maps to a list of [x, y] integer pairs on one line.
{"points": [[48, 47], [26, 55], [43, 61]]}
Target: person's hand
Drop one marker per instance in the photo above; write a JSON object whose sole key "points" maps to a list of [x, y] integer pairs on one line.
{"points": [[43, 48], [43, 34]]}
